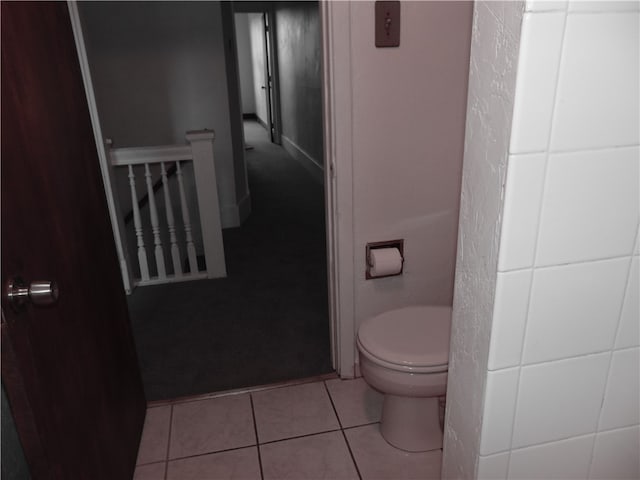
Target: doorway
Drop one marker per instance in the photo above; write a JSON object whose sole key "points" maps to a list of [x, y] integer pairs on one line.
{"points": [[211, 319], [258, 67]]}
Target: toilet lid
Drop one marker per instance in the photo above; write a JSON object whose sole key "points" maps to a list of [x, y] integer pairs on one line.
{"points": [[411, 336]]}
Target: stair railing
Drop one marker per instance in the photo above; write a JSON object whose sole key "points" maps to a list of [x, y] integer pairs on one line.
{"points": [[159, 165]]}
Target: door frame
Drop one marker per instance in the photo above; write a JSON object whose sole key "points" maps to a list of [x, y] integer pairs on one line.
{"points": [[271, 79], [106, 169], [338, 173], [335, 24]]}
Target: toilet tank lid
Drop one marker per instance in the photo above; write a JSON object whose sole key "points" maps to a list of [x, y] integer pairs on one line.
{"points": [[411, 336]]}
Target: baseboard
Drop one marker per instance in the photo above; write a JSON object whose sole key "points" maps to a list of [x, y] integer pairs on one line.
{"points": [[263, 123], [232, 216], [314, 168], [229, 216]]}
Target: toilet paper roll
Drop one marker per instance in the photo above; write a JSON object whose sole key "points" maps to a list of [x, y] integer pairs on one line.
{"points": [[385, 261]]}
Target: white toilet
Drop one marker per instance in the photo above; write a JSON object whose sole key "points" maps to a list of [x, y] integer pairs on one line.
{"points": [[404, 354]]}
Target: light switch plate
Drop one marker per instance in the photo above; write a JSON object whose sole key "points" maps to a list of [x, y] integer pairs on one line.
{"points": [[387, 23]]}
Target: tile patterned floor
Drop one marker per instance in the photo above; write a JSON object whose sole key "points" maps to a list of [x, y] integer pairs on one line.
{"points": [[320, 430]]}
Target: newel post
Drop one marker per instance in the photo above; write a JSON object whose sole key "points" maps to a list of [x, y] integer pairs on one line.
{"points": [[207, 187]]}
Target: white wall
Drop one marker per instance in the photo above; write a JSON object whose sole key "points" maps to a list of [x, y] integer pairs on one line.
{"points": [[245, 65], [562, 363], [158, 70], [408, 111]]}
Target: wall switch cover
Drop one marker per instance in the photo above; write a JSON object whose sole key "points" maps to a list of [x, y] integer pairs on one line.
{"points": [[387, 24]]}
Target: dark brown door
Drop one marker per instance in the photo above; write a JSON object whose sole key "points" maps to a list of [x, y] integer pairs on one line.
{"points": [[70, 370]]}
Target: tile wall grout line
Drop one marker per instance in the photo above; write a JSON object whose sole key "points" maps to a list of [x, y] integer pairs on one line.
{"points": [[255, 429], [560, 359], [564, 151], [344, 435], [612, 351], [570, 263], [539, 219], [541, 444], [610, 361]]}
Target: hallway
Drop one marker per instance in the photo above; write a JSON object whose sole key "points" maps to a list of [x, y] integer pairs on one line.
{"points": [[268, 320]]}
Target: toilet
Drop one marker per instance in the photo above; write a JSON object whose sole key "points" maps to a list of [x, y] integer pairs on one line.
{"points": [[404, 354]]}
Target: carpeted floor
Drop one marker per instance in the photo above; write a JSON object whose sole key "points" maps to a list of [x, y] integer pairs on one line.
{"points": [[268, 320]]}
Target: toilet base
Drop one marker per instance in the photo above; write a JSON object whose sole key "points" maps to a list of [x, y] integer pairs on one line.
{"points": [[411, 423]]}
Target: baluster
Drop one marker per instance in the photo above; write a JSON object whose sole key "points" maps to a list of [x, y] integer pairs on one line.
{"points": [[175, 252], [191, 249], [155, 225], [142, 252]]}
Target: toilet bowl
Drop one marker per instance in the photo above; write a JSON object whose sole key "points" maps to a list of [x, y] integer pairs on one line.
{"points": [[404, 354]]}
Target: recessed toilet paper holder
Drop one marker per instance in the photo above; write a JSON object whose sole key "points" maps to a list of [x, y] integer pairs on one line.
{"points": [[399, 244]]}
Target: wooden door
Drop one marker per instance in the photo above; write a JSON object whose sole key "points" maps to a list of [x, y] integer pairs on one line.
{"points": [[70, 370]]}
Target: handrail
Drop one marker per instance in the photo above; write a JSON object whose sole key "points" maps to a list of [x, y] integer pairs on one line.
{"points": [[142, 155]]}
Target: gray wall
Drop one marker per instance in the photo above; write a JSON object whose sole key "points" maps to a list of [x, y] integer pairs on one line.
{"points": [[245, 66], [299, 63], [14, 465], [159, 69]]}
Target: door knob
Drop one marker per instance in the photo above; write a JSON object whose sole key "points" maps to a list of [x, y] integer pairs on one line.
{"points": [[41, 293]]}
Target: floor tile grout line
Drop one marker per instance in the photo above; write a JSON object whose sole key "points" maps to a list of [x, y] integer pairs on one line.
{"points": [[255, 429], [344, 435], [269, 442], [196, 455], [352, 427], [166, 458], [333, 406], [353, 458], [150, 463]]}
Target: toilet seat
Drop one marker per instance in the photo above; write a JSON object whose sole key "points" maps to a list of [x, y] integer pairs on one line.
{"points": [[401, 368], [411, 339]]}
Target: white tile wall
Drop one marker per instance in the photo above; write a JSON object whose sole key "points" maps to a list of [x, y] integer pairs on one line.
{"points": [[493, 467], [566, 310], [566, 459], [629, 331], [545, 5], [615, 455], [597, 97], [574, 309], [525, 181], [499, 406], [558, 400], [509, 318], [604, 5], [567, 304], [538, 63], [590, 206], [621, 406]]}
